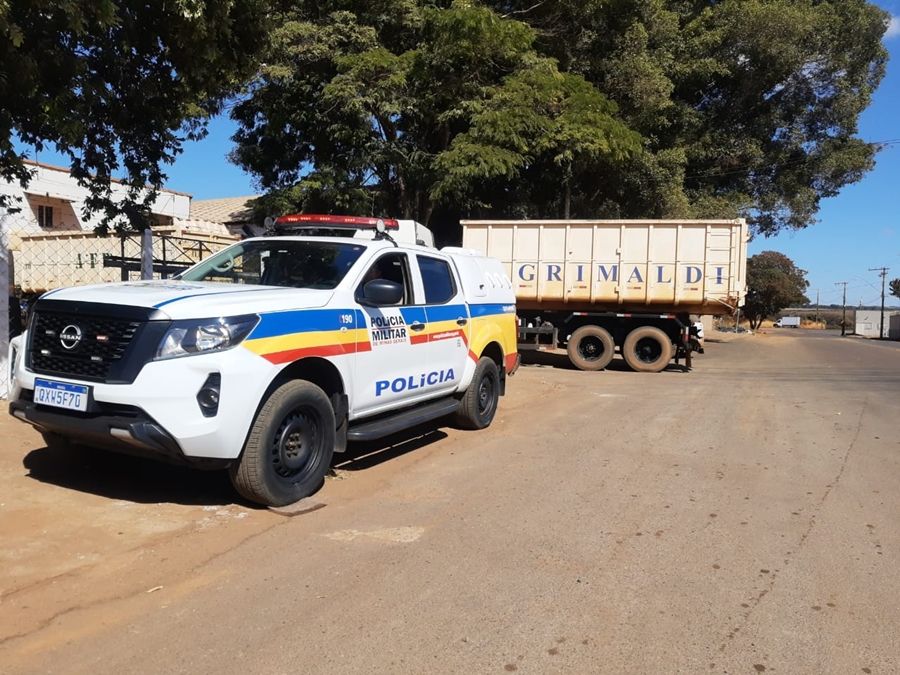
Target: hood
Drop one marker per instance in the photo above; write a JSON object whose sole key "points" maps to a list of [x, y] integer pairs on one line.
{"points": [[192, 299]]}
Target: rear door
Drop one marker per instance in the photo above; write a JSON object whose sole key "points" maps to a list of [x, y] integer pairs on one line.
{"points": [[448, 321]]}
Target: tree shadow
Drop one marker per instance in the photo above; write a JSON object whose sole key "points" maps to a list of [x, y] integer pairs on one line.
{"points": [[134, 479]]}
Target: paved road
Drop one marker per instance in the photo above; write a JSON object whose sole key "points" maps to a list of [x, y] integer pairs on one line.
{"points": [[738, 519]]}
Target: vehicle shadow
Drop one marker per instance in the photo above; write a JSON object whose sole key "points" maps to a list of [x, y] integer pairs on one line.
{"points": [[561, 361], [117, 476], [364, 455], [144, 481]]}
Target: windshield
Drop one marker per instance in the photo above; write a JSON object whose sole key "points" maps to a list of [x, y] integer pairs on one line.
{"points": [[294, 264]]}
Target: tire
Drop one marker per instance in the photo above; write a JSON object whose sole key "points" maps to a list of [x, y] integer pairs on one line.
{"points": [[481, 399], [647, 349], [289, 447], [591, 348]]}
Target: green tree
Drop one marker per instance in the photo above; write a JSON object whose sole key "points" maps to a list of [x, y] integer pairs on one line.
{"points": [[895, 288], [407, 108], [119, 85], [749, 107], [773, 283]]}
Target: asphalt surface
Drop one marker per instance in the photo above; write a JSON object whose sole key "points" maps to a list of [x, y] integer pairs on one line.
{"points": [[741, 518]]}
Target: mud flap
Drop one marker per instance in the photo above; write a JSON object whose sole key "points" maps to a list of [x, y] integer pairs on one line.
{"points": [[341, 406]]}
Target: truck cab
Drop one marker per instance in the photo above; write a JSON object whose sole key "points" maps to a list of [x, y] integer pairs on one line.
{"points": [[274, 353]]}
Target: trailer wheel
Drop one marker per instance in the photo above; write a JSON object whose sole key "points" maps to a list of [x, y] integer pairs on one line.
{"points": [[289, 448], [591, 348], [647, 349]]}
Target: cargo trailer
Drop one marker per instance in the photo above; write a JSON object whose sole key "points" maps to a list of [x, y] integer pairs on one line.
{"points": [[592, 287]]}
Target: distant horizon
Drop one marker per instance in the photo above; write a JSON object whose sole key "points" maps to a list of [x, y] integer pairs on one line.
{"points": [[867, 308]]}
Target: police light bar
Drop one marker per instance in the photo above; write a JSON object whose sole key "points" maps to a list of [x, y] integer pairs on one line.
{"points": [[338, 222]]}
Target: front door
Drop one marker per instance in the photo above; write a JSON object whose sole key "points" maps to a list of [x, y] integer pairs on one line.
{"points": [[388, 375]]}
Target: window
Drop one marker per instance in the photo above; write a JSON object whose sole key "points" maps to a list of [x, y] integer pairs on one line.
{"points": [[45, 216], [293, 264], [391, 267], [437, 279]]}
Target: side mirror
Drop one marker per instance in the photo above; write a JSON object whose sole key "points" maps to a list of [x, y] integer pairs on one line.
{"points": [[380, 292]]}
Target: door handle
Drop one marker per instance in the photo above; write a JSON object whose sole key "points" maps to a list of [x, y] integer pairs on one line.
{"points": [[417, 326], [461, 321]]}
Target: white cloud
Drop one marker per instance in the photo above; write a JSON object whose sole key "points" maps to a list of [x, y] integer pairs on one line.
{"points": [[893, 29]]}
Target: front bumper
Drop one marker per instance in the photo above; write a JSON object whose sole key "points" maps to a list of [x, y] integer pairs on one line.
{"points": [[158, 414], [121, 429]]}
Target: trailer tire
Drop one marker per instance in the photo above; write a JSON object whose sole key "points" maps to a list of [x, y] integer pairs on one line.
{"points": [[479, 403], [591, 348], [289, 447], [647, 349]]}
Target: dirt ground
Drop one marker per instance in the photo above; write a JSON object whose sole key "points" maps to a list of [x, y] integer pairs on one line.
{"points": [[738, 518]]}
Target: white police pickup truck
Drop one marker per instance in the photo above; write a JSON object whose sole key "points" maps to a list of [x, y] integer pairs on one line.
{"points": [[270, 355]]}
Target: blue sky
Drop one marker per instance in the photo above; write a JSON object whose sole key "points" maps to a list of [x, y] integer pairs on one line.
{"points": [[858, 229]]}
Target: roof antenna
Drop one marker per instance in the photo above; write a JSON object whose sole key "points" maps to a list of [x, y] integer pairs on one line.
{"points": [[381, 232]]}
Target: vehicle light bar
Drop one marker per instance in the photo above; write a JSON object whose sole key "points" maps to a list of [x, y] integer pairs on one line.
{"points": [[337, 222]]}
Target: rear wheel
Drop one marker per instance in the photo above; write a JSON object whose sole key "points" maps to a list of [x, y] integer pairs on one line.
{"points": [[479, 404], [289, 448], [591, 348], [647, 349]]}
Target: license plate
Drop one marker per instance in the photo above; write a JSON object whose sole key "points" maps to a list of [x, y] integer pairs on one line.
{"points": [[61, 394]]}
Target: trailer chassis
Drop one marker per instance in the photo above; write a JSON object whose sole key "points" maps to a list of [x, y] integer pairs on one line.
{"points": [[552, 331]]}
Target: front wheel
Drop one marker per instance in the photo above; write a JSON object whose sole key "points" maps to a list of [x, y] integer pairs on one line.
{"points": [[289, 448], [479, 404], [647, 349]]}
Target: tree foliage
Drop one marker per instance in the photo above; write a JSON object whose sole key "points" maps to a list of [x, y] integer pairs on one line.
{"points": [[405, 108], [632, 108], [895, 288], [747, 106], [773, 283], [119, 84]]}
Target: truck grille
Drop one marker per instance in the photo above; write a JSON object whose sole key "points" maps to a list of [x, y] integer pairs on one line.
{"points": [[74, 345]]}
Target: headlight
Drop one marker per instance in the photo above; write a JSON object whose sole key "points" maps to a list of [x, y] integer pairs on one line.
{"points": [[202, 336]]}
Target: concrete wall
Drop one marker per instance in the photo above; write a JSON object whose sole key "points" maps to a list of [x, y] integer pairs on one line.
{"points": [[868, 322], [4, 312], [894, 330]]}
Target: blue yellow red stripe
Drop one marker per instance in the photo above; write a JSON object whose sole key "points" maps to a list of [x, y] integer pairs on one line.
{"points": [[282, 337]]}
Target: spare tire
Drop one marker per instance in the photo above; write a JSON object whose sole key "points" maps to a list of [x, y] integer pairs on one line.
{"points": [[591, 348], [647, 349]]}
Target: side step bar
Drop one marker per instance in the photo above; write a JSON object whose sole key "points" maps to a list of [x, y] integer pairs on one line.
{"points": [[394, 422]]}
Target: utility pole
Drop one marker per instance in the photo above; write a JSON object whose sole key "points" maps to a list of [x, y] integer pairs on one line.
{"points": [[817, 308], [843, 308], [883, 275]]}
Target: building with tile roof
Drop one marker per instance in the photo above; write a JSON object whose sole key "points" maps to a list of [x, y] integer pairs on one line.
{"points": [[235, 213]]}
